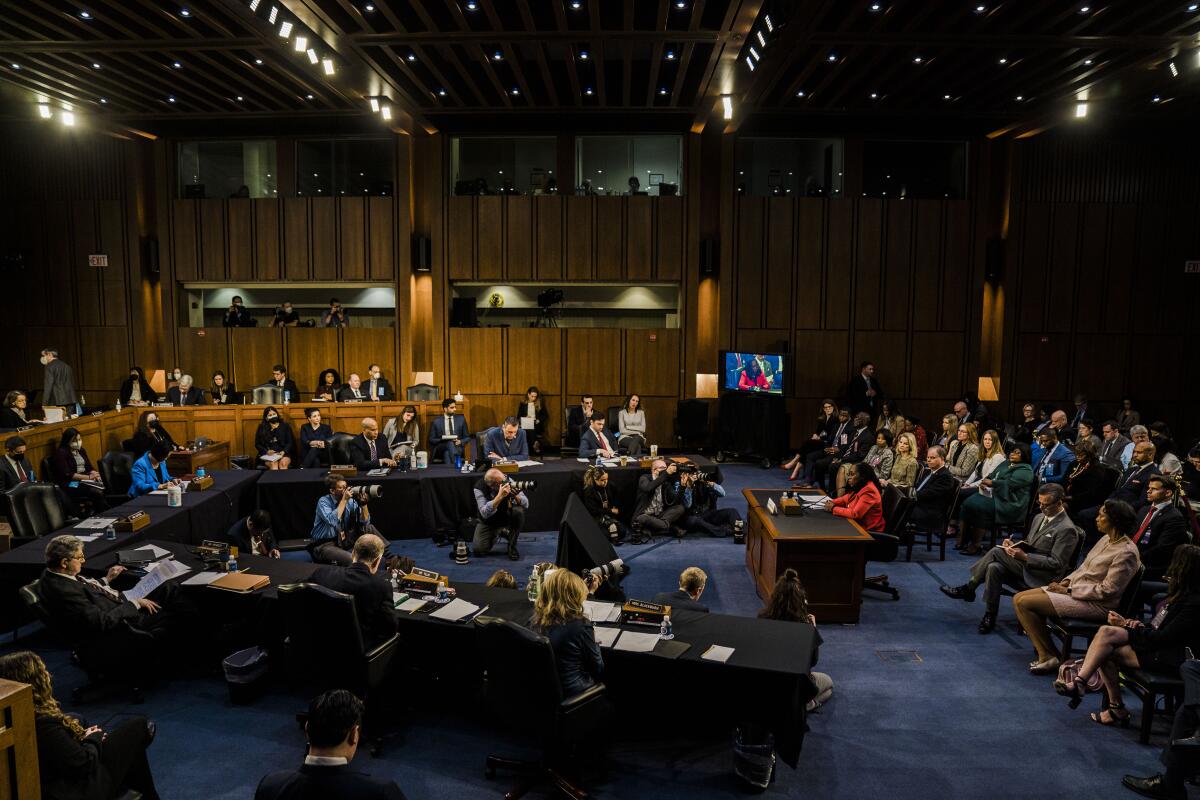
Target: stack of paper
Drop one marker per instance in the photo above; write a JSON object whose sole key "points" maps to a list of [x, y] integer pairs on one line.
{"points": [[717, 652], [157, 575], [95, 523], [606, 636], [456, 610], [524, 464], [634, 642], [597, 611]]}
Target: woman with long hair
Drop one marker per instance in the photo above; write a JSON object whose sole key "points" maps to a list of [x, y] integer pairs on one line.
{"points": [[789, 603], [222, 391], [136, 390], [315, 436], [401, 429], [752, 378], [598, 503], [558, 615], [150, 431], [964, 451], [863, 503], [74, 473], [827, 423], [904, 465], [274, 438], [533, 409], [329, 383], [77, 761], [631, 426]]}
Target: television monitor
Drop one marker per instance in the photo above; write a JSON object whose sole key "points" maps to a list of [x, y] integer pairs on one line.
{"points": [[753, 372]]}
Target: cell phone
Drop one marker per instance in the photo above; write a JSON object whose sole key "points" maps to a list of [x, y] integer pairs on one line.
{"points": [[73, 485]]}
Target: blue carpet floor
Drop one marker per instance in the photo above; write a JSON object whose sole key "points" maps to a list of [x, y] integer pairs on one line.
{"points": [[923, 706]]}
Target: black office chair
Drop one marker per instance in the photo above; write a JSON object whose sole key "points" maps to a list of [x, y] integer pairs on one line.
{"points": [[339, 449], [691, 424], [1067, 630], [910, 531], [563, 449], [1149, 686], [480, 438], [423, 391], [116, 470], [34, 509], [886, 544], [325, 647], [523, 690], [612, 419]]}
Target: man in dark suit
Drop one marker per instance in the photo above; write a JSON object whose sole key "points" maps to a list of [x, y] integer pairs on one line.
{"points": [[1161, 528], [252, 534], [377, 386], [447, 433], [353, 391], [1131, 487], [864, 392], [507, 442], [595, 440], [1113, 445], [185, 394], [691, 585], [334, 728], [861, 441], [931, 496], [578, 419], [1182, 753], [366, 451], [370, 589], [15, 468], [279, 377]]}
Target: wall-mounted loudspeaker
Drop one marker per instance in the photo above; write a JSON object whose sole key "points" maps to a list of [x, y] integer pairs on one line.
{"points": [[710, 258], [994, 267], [421, 258]]}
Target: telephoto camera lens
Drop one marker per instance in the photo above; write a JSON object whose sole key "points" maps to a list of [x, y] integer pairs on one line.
{"points": [[373, 491], [522, 486]]}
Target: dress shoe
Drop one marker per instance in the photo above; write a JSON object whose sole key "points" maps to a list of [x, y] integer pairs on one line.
{"points": [[1047, 667], [1152, 787], [964, 592], [988, 623]]}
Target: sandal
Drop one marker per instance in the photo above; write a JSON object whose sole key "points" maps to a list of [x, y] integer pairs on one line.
{"points": [[1113, 716], [1075, 690]]}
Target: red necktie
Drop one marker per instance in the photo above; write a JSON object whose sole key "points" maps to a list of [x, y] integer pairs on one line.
{"points": [[21, 476], [1137, 537]]}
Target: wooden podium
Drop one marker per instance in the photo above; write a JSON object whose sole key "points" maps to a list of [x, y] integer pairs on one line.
{"points": [[186, 462]]}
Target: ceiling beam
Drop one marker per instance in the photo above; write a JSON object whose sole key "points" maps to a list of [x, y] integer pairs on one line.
{"points": [[109, 46]]}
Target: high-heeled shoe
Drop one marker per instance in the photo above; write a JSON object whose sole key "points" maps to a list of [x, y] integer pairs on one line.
{"points": [[1074, 691], [1113, 716]]}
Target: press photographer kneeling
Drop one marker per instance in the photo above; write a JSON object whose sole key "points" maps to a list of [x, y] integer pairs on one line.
{"points": [[699, 496], [600, 506], [502, 503], [342, 516]]}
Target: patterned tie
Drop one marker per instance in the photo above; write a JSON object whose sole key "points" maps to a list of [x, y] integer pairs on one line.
{"points": [[108, 591], [372, 443], [1137, 537]]}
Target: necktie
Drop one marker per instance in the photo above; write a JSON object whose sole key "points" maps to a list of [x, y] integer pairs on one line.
{"points": [[922, 484], [449, 424], [372, 443], [374, 396], [21, 476], [1137, 537], [108, 591]]}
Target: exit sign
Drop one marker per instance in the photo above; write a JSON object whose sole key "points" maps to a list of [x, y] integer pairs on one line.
{"points": [[1191, 267], [98, 260]]}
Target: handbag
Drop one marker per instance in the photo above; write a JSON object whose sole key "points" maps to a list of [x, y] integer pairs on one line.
{"points": [[1067, 673]]}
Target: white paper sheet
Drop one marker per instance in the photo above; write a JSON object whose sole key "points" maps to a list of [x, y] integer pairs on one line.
{"points": [[606, 636], [598, 611], [157, 575], [96, 523], [411, 604], [527, 423], [455, 610], [203, 578], [634, 642], [271, 458], [718, 652], [523, 464], [90, 537]]}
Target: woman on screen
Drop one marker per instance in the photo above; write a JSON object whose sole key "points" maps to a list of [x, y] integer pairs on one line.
{"points": [[752, 378]]}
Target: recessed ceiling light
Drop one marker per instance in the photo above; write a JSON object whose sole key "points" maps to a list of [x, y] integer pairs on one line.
{"points": [[84, 15], [1155, 99], [301, 44], [412, 56], [368, 8], [979, 9], [670, 55], [1174, 69], [754, 53], [583, 55], [103, 99], [441, 92], [374, 105], [588, 91], [1087, 62], [663, 91], [274, 13], [800, 93], [44, 111], [576, 5], [831, 57], [183, 12], [258, 61], [1085, 9], [1194, 7], [750, 63], [68, 118], [945, 97], [308, 97], [770, 25], [171, 99], [472, 5], [285, 29], [681, 4], [95, 65], [254, 4], [762, 40], [312, 56], [497, 56], [727, 106], [514, 91], [1020, 98], [386, 112], [874, 95], [918, 60], [239, 98], [15, 66], [1003, 61], [876, 6], [1081, 110], [176, 65], [327, 65]]}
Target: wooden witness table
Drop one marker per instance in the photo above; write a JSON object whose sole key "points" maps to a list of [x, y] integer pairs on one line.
{"points": [[186, 462], [827, 552]]}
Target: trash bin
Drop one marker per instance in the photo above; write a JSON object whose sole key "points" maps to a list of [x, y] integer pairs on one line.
{"points": [[754, 756], [246, 674]]}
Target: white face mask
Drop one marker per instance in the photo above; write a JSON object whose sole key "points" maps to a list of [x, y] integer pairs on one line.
{"points": [[45, 360], [178, 374], [375, 374], [76, 445]]}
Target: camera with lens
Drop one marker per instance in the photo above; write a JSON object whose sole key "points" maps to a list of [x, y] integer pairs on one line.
{"points": [[688, 468], [609, 569], [521, 486], [370, 492]]}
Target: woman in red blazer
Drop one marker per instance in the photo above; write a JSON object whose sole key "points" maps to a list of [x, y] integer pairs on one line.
{"points": [[863, 503]]}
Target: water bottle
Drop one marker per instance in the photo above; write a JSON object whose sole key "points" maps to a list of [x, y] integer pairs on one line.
{"points": [[118, 404], [200, 473], [442, 595], [287, 396], [231, 565], [599, 459], [395, 582], [110, 533], [533, 588], [665, 631]]}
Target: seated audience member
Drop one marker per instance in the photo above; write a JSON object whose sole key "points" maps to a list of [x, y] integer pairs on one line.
{"points": [[1081, 410], [403, 433], [1086, 481], [314, 440], [1041, 557], [336, 316], [881, 456], [1058, 423], [823, 434], [578, 420], [558, 615], [1180, 754], [285, 316], [949, 431], [377, 386], [185, 394], [13, 415], [658, 505], [150, 431], [1160, 437], [237, 315], [863, 503], [692, 582], [342, 516], [76, 761], [1190, 474], [222, 392], [369, 587], [70, 465], [1128, 417], [149, 472], [913, 425], [329, 384], [274, 438], [1130, 488], [353, 391], [856, 449], [252, 534], [963, 454], [789, 603], [15, 468], [839, 439], [1138, 434], [904, 465], [1029, 424], [506, 442], [501, 513], [533, 416], [1130, 644], [888, 412], [334, 729], [501, 579], [598, 503], [279, 377], [1160, 528], [1092, 590], [1086, 432], [1003, 499], [367, 450], [991, 455], [447, 434], [699, 494], [752, 378], [1051, 458], [136, 390], [596, 440], [1113, 446], [934, 492], [631, 426], [173, 377]]}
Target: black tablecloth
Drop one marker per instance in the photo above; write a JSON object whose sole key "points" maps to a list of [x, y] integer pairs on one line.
{"points": [[209, 513], [290, 496], [814, 523]]}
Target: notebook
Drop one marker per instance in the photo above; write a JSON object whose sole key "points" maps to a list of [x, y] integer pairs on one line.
{"points": [[241, 582]]}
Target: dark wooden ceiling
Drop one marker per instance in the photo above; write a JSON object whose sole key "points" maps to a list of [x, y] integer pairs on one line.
{"points": [[447, 64]]}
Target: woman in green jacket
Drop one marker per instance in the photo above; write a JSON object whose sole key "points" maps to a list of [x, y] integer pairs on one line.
{"points": [[1003, 497]]}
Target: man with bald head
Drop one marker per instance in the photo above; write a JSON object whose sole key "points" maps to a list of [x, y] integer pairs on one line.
{"points": [[1131, 486], [367, 451], [501, 513], [353, 391], [369, 587]]}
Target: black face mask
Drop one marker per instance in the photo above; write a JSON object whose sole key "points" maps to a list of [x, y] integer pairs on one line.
{"points": [[153, 423], [272, 420]]}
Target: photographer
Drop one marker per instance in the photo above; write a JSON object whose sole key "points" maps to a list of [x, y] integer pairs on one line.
{"points": [[658, 505], [286, 316], [501, 513], [596, 501], [342, 516], [237, 316], [700, 494]]}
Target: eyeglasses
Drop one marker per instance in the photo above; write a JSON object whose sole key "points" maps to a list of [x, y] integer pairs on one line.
{"points": [[79, 557]]}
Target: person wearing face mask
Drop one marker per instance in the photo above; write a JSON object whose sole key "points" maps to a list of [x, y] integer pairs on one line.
{"points": [[237, 316], [150, 432], [73, 472], [15, 468], [136, 390], [377, 386], [173, 378], [59, 389], [222, 392], [286, 316], [336, 316], [274, 438]]}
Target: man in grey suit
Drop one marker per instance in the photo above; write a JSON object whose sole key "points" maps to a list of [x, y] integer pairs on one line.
{"points": [[1113, 446], [60, 382], [1045, 555]]}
